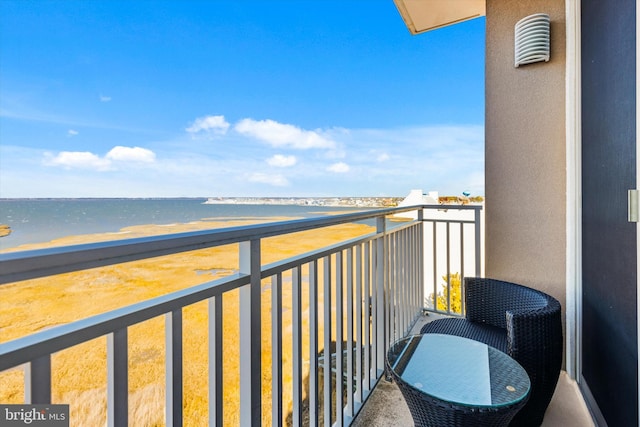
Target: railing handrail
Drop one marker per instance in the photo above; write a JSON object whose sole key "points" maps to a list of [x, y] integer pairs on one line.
{"points": [[31, 264]]}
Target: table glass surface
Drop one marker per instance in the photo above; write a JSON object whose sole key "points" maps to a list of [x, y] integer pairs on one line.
{"points": [[458, 370]]}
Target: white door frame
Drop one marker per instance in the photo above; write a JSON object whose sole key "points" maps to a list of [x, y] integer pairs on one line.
{"points": [[573, 105]]}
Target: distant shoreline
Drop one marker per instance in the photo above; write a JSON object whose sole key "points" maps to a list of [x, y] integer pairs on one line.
{"points": [[373, 202], [43, 220]]}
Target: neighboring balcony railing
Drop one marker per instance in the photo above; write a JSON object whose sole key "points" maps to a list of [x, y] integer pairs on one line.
{"points": [[360, 295]]}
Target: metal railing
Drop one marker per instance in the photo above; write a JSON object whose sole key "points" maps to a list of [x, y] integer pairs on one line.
{"points": [[362, 295]]}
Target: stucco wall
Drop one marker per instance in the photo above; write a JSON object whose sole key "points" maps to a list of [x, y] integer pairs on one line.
{"points": [[525, 152]]}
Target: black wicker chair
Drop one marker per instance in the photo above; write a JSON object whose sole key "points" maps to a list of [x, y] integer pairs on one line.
{"points": [[520, 321]]}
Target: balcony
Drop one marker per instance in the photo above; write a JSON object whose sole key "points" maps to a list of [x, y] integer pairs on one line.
{"points": [[351, 299]]}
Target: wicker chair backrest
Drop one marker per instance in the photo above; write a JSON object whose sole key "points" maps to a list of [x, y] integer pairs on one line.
{"points": [[488, 300]]}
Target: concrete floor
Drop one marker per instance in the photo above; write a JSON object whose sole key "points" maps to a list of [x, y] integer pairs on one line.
{"points": [[386, 406]]}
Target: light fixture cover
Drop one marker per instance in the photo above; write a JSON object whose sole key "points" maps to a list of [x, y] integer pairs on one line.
{"points": [[532, 39]]}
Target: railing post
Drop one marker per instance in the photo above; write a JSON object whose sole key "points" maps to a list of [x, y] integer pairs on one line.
{"points": [[276, 349], [117, 379], [313, 345], [37, 380], [381, 253], [368, 321], [421, 268], [421, 263], [215, 361], [339, 337], [478, 229], [173, 373], [326, 352], [296, 356], [250, 336]]}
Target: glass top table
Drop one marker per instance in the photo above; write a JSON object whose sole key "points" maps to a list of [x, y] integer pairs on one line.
{"points": [[459, 371]]}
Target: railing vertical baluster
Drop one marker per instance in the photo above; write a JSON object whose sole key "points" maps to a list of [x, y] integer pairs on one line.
{"points": [[380, 295], [398, 284], [419, 271], [349, 339], [415, 279], [313, 343], [411, 268], [411, 277], [418, 300], [416, 254], [448, 267], [276, 349], [297, 346], [421, 263], [359, 302], [117, 379], [368, 318], [215, 361], [173, 360], [327, 342], [37, 380], [462, 273], [392, 288], [387, 301], [405, 282], [250, 336], [478, 230], [462, 250], [373, 306], [339, 336], [435, 266]]}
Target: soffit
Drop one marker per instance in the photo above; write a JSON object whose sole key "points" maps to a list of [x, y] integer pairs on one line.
{"points": [[425, 15]]}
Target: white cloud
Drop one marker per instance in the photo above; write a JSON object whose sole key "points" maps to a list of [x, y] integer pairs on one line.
{"points": [[91, 161], [383, 157], [263, 178], [209, 124], [78, 160], [281, 161], [283, 135], [131, 154], [339, 167], [449, 159], [72, 132], [105, 98]]}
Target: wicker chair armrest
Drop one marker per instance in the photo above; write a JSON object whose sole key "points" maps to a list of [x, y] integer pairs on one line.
{"points": [[534, 336]]}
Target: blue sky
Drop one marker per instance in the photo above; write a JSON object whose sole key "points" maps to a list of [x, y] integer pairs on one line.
{"points": [[236, 98]]}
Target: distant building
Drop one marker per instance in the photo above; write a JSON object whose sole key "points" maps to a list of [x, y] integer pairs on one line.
{"points": [[417, 197]]}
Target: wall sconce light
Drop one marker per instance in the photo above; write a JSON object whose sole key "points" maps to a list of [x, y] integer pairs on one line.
{"points": [[532, 39]]}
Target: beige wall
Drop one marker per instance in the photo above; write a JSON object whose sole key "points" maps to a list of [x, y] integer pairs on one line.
{"points": [[525, 152]]}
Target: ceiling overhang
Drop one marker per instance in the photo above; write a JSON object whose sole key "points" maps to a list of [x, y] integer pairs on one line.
{"points": [[425, 15]]}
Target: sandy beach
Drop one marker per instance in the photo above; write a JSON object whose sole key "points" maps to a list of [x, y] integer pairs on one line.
{"points": [[79, 373]]}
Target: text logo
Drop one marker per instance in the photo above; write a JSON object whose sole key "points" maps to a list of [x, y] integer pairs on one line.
{"points": [[37, 415]]}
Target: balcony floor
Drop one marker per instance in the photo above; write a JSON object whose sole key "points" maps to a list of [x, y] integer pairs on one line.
{"points": [[386, 406]]}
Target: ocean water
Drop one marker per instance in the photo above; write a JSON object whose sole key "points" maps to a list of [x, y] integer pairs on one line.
{"points": [[41, 220]]}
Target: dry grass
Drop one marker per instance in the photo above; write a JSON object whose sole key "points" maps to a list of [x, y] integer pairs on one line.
{"points": [[79, 373]]}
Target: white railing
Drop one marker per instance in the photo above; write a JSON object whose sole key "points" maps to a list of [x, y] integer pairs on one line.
{"points": [[361, 295]]}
